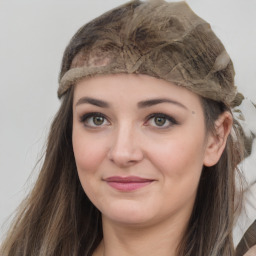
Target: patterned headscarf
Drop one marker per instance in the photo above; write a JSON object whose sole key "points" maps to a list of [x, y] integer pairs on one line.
{"points": [[160, 39]]}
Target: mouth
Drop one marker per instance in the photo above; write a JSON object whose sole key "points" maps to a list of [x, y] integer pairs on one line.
{"points": [[129, 183]]}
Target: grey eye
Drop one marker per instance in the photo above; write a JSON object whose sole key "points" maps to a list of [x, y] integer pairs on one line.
{"points": [[160, 121], [94, 120], [98, 120]]}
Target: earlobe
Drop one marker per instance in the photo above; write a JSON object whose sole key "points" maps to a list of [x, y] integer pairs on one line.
{"points": [[216, 140]]}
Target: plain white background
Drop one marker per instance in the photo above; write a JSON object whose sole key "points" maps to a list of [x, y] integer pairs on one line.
{"points": [[33, 36]]}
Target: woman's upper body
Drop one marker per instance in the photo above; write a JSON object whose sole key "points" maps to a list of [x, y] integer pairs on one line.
{"points": [[140, 158]]}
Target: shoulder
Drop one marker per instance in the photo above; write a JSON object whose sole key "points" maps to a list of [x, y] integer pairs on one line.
{"points": [[251, 252], [248, 241]]}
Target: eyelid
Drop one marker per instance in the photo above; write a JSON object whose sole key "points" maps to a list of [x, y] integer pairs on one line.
{"points": [[172, 121], [169, 118], [86, 116]]}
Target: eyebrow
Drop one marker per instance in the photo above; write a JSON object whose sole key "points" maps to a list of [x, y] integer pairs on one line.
{"points": [[152, 102], [96, 102], [141, 104]]}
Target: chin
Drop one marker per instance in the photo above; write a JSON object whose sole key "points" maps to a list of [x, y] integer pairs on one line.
{"points": [[128, 213]]}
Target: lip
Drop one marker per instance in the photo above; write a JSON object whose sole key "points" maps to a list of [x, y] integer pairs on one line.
{"points": [[129, 183]]}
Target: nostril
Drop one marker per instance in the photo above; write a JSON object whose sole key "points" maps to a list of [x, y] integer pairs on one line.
{"points": [[126, 147], [124, 156]]}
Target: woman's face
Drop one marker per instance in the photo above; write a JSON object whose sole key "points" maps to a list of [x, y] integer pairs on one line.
{"points": [[139, 145]]}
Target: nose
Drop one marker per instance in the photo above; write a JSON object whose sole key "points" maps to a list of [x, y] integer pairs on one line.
{"points": [[126, 149]]}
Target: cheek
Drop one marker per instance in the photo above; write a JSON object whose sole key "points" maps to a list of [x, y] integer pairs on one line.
{"points": [[180, 167], [180, 159], [89, 154], [89, 151]]}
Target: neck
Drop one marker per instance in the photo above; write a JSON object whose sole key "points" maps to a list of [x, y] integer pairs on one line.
{"points": [[161, 239]]}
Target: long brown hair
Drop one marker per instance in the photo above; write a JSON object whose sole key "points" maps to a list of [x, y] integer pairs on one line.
{"points": [[57, 218]]}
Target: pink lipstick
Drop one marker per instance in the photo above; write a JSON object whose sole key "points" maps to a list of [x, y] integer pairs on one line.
{"points": [[128, 183]]}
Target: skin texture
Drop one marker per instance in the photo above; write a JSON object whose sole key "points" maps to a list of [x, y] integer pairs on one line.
{"points": [[126, 139], [251, 252]]}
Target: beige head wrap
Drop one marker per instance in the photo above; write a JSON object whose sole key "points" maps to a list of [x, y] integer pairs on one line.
{"points": [[160, 39]]}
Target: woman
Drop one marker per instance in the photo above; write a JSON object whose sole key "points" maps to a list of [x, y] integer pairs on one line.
{"points": [[140, 157]]}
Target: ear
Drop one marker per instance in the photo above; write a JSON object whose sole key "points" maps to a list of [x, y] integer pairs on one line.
{"points": [[216, 141]]}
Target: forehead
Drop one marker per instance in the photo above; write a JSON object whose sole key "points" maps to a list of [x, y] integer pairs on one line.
{"points": [[132, 87]]}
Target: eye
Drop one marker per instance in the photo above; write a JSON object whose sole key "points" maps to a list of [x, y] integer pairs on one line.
{"points": [[160, 120], [94, 120]]}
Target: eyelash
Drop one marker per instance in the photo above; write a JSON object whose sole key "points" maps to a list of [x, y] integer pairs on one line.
{"points": [[84, 118], [172, 121]]}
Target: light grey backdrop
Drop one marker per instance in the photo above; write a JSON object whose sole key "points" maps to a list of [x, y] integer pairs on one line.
{"points": [[33, 35]]}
